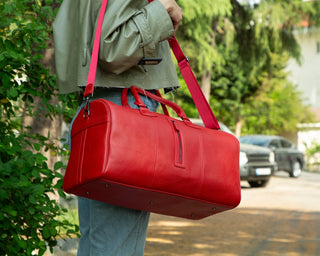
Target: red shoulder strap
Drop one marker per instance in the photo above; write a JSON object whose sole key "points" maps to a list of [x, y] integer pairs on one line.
{"points": [[204, 109], [95, 52], [199, 99]]}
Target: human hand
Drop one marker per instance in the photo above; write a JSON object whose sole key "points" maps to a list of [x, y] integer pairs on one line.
{"points": [[174, 12]]}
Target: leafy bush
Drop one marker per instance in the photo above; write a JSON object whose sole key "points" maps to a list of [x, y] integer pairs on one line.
{"points": [[28, 216]]}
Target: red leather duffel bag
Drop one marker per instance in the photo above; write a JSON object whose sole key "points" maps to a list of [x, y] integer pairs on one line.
{"points": [[152, 162], [148, 161]]}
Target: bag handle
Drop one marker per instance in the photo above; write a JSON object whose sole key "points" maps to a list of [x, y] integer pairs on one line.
{"points": [[164, 102], [124, 99], [199, 99]]}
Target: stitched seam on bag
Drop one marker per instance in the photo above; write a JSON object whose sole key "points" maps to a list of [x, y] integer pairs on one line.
{"points": [[82, 155], [178, 146]]}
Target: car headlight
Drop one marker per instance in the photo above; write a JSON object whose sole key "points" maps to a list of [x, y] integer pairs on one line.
{"points": [[243, 158], [271, 157]]}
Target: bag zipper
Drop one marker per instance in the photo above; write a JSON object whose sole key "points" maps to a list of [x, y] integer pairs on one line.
{"points": [[179, 140]]}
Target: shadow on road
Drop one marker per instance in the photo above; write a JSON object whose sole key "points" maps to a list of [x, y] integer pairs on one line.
{"points": [[240, 232]]}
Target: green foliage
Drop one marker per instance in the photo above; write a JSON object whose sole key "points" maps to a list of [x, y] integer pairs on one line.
{"points": [[202, 22], [230, 87], [204, 29], [247, 49], [28, 216], [275, 110], [313, 149]]}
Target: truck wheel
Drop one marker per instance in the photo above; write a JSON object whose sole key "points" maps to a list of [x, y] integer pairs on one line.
{"points": [[258, 183], [295, 169]]}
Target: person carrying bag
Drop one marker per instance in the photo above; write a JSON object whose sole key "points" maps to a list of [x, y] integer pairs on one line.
{"points": [[106, 229], [120, 173]]}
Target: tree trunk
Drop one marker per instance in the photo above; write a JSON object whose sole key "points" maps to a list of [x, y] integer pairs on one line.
{"points": [[206, 84], [41, 124], [207, 74], [238, 127]]}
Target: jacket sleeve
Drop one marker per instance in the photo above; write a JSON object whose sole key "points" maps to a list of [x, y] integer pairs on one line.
{"points": [[129, 34]]}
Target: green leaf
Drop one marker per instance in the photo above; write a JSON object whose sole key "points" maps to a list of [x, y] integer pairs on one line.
{"points": [[22, 243], [8, 9], [3, 194], [12, 93], [59, 175], [32, 210], [32, 199], [61, 193], [2, 57], [53, 231], [58, 165], [9, 210], [40, 159], [36, 146], [45, 233], [35, 173], [1, 216], [38, 188]]}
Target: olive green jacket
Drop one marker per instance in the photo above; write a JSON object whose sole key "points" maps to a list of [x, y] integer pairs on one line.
{"points": [[132, 29]]}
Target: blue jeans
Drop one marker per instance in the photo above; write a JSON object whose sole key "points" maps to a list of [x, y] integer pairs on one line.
{"points": [[109, 230]]}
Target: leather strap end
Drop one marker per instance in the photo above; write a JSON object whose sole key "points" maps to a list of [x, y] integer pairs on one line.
{"points": [[89, 90]]}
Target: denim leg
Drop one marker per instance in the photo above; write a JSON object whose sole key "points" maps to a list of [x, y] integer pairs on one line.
{"points": [[84, 225], [109, 230], [117, 231]]}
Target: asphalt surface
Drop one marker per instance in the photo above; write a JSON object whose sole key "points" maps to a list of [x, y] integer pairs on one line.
{"points": [[282, 219]]}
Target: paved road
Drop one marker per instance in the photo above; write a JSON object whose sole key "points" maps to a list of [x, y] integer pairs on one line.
{"points": [[282, 219]]}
